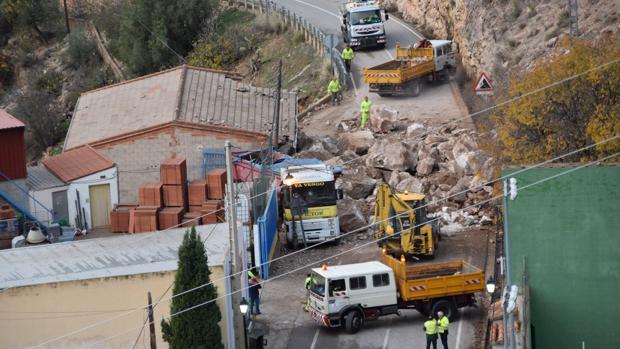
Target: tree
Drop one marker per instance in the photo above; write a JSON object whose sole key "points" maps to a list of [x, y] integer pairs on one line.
{"points": [[569, 115], [196, 328], [31, 14], [154, 32]]}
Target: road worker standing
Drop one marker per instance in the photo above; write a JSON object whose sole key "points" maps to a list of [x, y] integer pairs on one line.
{"points": [[365, 107], [442, 328], [307, 284], [430, 329], [334, 88], [347, 56]]}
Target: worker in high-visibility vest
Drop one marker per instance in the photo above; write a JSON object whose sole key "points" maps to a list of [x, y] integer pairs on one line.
{"points": [[334, 89], [365, 107], [442, 328], [430, 329], [307, 284], [347, 56]]}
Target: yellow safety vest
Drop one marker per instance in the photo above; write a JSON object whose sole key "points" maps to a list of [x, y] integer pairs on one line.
{"points": [[366, 106], [309, 280], [443, 324], [347, 53], [430, 327], [334, 86]]}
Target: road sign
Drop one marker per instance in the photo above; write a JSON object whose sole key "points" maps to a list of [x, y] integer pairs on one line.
{"points": [[483, 86]]}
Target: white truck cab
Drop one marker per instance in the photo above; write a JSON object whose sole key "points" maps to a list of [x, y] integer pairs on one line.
{"points": [[443, 54], [362, 24], [348, 295]]}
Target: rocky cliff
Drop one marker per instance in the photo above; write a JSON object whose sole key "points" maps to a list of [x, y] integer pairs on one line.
{"points": [[499, 35]]}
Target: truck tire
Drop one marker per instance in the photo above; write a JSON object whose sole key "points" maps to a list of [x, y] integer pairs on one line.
{"points": [[414, 88], [353, 321], [447, 306]]}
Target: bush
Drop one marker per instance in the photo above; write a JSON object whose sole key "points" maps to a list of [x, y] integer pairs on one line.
{"points": [[81, 50], [6, 71], [49, 82]]}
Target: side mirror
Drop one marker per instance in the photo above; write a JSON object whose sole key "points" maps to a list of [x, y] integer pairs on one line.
{"points": [[339, 194]]}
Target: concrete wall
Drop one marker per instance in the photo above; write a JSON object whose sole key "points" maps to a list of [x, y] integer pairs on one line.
{"points": [[44, 197], [138, 157], [82, 186], [33, 314], [567, 229]]}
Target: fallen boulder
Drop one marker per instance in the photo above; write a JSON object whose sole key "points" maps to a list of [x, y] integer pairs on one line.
{"points": [[392, 155], [358, 189], [351, 216], [383, 119], [358, 142]]}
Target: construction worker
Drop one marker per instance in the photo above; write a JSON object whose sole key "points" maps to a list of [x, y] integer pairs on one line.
{"points": [[442, 328], [334, 88], [254, 296], [430, 328], [307, 284], [347, 56], [365, 106]]}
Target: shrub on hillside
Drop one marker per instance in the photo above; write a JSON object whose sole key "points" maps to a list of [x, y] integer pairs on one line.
{"points": [[81, 51]]}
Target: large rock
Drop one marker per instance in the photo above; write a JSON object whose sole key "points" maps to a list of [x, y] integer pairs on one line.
{"points": [[303, 140], [350, 213], [391, 155], [318, 151], [330, 144], [458, 192], [358, 188], [383, 119], [347, 157], [412, 185], [358, 142], [415, 130], [427, 159]]}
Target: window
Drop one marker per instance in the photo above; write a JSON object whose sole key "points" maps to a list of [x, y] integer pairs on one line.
{"points": [[336, 286], [317, 285], [357, 283], [379, 280]]}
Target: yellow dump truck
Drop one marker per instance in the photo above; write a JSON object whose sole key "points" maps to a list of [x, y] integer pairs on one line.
{"points": [[349, 295], [411, 67]]}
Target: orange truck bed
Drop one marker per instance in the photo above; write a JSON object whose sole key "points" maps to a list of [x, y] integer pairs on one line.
{"points": [[428, 281], [410, 63]]}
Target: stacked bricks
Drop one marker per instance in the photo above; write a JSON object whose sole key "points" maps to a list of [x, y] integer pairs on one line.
{"points": [[119, 217], [144, 218], [173, 174], [216, 184], [197, 191], [6, 212], [211, 209], [191, 219], [150, 194], [170, 217]]}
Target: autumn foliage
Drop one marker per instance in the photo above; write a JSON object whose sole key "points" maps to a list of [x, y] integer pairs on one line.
{"points": [[572, 113]]}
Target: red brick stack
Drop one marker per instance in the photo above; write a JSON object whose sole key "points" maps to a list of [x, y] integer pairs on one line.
{"points": [[212, 211], [191, 219], [150, 194], [197, 191], [170, 217], [6, 212], [119, 217], [173, 174], [145, 218], [216, 183]]}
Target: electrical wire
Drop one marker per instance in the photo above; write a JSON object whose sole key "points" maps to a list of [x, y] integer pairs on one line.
{"points": [[366, 244], [348, 233]]}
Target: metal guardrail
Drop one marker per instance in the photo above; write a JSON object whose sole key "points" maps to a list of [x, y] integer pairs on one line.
{"points": [[321, 42]]}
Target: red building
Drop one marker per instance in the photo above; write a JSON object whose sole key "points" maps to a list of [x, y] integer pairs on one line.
{"points": [[12, 147]]}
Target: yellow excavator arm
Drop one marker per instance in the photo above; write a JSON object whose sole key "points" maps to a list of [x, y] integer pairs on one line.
{"points": [[397, 226]]}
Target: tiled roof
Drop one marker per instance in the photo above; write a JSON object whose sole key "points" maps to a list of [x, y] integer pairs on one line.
{"points": [[40, 178], [77, 163], [105, 257], [9, 121], [186, 94]]}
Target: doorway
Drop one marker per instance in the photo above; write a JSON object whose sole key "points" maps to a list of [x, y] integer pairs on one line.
{"points": [[60, 206], [100, 205]]}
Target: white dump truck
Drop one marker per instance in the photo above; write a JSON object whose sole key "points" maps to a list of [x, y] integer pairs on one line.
{"points": [[362, 24]]}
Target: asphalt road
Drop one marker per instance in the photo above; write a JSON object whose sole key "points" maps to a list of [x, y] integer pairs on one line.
{"points": [[326, 16]]}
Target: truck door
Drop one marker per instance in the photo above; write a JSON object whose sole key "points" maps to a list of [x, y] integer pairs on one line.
{"points": [[440, 57], [338, 295]]}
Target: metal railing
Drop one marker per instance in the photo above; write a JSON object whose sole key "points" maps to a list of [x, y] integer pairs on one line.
{"points": [[25, 203], [323, 44]]}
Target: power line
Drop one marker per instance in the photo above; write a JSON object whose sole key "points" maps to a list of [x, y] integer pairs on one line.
{"points": [[366, 244], [351, 232]]}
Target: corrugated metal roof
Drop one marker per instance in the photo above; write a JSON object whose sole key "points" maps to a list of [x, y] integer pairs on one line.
{"points": [[105, 257], [9, 121], [187, 94], [77, 163], [39, 178]]}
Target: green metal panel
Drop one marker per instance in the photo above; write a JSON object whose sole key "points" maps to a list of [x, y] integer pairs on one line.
{"points": [[569, 229]]}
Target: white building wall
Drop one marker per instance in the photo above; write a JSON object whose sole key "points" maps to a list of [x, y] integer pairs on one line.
{"points": [[82, 185], [44, 197]]}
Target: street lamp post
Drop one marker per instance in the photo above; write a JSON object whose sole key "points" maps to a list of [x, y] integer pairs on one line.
{"points": [[243, 307]]}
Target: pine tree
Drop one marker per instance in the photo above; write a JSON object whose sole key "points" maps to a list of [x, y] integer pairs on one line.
{"points": [[196, 328]]}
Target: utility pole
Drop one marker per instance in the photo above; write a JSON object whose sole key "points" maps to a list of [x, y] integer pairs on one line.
{"points": [[573, 18], [67, 17], [276, 116], [232, 210], [152, 323]]}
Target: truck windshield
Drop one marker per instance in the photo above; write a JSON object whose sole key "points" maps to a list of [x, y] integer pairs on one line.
{"points": [[318, 285], [366, 17], [314, 194]]}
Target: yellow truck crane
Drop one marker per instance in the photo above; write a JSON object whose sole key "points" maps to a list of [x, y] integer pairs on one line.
{"points": [[401, 224], [429, 60], [349, 295]]}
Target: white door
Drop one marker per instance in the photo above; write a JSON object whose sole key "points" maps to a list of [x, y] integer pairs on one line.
{"points": [[338, 295], [440, 57]]}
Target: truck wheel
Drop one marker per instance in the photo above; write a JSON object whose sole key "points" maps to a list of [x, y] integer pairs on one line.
{"points": [[446, 306], [353, 322], [414, 89]]}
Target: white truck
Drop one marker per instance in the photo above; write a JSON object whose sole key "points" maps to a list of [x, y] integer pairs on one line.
{"points": [[362, 24], [309, 199], [349, 295]]}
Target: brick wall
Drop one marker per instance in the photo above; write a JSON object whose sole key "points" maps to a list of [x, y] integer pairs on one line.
{"points": [[138, 158]]}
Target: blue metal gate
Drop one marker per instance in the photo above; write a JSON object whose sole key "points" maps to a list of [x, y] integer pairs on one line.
{"points": [[268, 233], [212, 158]]}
